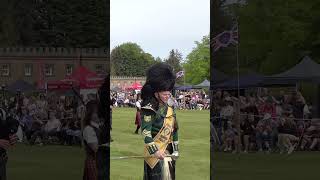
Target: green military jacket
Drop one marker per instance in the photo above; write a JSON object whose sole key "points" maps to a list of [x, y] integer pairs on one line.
{"points": [[152, 122]]}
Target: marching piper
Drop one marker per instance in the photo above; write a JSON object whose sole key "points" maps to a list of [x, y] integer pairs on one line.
{"points": [[158, 124]]}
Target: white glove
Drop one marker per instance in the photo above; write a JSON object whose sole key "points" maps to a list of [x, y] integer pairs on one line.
{"points": [[175, 155]]}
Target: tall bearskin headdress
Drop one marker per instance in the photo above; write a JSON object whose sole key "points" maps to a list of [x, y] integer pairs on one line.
{"points": [[160, 77]]}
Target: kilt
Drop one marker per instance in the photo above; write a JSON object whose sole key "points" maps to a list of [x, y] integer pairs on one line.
{"points": [[103, 167], [156, 172], [90, 168], [138, 118]]}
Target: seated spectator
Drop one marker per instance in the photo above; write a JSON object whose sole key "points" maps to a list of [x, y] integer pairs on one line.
{"points": [[263, 133], [50, 129], [230, 138], [287, 134], [226, 112], [26, 121], [311, 136], [247, 131], [42, 107], [70, 132], [35, 129]]}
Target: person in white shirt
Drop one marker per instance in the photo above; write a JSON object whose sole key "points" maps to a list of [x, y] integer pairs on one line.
{"points": [[42, 107], [91, 133], [52, 127], [227, 112]]}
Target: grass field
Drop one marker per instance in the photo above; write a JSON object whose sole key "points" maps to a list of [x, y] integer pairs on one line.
{"points": [[45, 162], [194, 161], [297, 166], [66, 163]]}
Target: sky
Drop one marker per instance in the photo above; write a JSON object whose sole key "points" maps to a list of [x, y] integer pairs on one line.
{"points": [[158, 26]]}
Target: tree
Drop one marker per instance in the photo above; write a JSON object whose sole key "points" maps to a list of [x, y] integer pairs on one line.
{"points": [[128, 59], [197, 66], [275, 35], [55, 23], [175, 59], [158, 59]]}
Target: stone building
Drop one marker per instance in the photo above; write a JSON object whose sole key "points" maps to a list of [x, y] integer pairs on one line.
{"points": [[122, 82], [46, 63]]}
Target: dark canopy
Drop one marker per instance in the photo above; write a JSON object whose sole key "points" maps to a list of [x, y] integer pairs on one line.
{"points": [[186, 87], [21, 85], [217, 76], [204, 84], [245, 81], [306, 70]]}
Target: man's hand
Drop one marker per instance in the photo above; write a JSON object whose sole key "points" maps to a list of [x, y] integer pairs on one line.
{"points": [[175, 155], [13, 139], [5, 144], [160, 155]]}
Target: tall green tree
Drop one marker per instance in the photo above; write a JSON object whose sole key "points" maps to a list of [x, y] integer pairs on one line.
{"points": [[158, 59], [197, 65], [128, 59], [275, 35], [175, 60], [55, 23]]}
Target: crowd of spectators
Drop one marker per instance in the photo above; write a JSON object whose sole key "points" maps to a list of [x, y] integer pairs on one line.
{"points": [[47, 118], [267, 123], [190, 100]]}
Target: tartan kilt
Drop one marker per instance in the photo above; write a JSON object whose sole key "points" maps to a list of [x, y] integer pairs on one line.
{"points": [[103, 156], [138, 118], [90, 168]]}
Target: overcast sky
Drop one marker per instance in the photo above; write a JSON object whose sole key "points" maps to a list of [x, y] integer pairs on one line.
{"points": [[160, 25]]}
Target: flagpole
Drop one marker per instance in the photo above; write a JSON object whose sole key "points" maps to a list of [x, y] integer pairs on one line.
{"points": [[238, 76], [184, 78], [237, 56], [184, 85]]}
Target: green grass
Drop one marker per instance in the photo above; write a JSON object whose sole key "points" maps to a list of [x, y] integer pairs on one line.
{"points": [[45, 162], [65, 162], [297, 166], [194, 161]]}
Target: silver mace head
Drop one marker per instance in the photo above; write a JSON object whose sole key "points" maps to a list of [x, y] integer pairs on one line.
{"points": [[170, 102]]}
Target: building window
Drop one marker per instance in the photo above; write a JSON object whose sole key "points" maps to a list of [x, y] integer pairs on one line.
{"points": [[99, 69], [28, 69], [69, 69], [5, 69], [48, 69]]}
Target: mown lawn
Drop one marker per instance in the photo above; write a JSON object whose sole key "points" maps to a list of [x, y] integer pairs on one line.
{"points": [[255, 166], [45, 162], [194, 161]]}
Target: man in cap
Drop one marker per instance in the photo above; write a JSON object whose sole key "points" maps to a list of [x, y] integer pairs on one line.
{"points": [[158, 124]]}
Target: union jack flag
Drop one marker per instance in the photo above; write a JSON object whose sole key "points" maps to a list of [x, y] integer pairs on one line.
{"points": [[180, 74], [225, 38]]}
